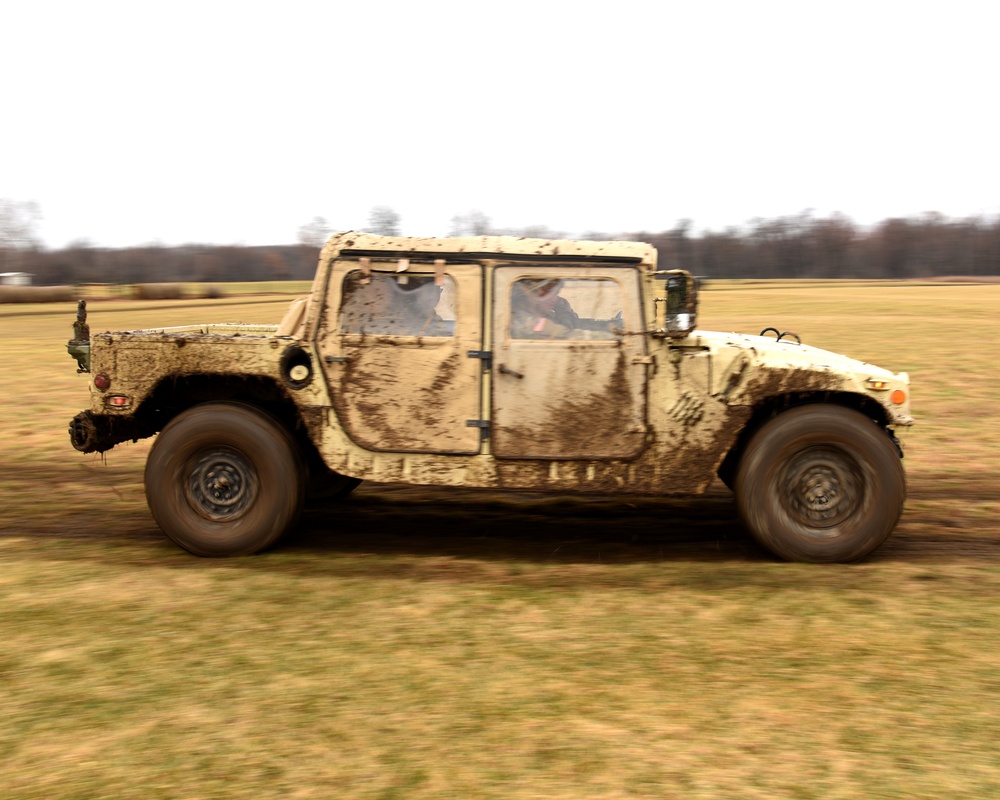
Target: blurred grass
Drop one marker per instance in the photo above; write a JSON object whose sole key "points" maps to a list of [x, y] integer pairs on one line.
{"points": [[481, 647], [194, 289]]}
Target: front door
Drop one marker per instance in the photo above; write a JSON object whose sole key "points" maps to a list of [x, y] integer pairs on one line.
{"points": [[569, 363]]}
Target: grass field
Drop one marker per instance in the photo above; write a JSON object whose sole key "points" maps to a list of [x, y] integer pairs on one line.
{"points": [[422, 644]]}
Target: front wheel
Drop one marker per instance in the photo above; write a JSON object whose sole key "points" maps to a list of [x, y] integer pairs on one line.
{"points": [[224, 479], [820, 484]]}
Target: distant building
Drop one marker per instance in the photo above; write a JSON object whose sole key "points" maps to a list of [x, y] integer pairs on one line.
{"points": [[15, 278]]}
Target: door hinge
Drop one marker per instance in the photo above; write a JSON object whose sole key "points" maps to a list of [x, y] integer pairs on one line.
{"points": [[482, 424], [485, 355]]}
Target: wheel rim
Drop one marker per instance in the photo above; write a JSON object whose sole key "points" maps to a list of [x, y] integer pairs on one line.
{"points": [[822, 487], [221, 484]]}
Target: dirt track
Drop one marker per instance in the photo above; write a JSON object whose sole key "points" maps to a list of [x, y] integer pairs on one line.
{"points": [[488, 525]]}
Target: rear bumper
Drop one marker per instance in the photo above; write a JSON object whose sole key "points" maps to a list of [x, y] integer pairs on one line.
{"points": [[95, 433]]}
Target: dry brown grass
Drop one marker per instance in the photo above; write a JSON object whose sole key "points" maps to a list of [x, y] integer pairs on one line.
{"points": [[158, 291], [37, 294], [444, 644]]}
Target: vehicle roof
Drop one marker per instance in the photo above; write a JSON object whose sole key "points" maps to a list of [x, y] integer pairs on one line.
{"points": [[495, 247]]}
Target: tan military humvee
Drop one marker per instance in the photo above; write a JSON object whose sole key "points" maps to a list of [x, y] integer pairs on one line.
{"points": [[564, 366]]}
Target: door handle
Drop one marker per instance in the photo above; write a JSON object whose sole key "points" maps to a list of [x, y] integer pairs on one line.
{"points": [[505, 370]]}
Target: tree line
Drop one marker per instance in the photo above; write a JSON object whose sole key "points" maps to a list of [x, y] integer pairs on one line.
{"points": [[79, 264], [799, 246], [802, 246]]}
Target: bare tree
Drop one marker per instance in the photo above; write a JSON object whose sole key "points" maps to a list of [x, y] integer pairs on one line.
{"points": [[18, 220], [533, 232], [892, 242], [676, 246], [831, 244], [314, 233], [383, 221], [474, 223]]}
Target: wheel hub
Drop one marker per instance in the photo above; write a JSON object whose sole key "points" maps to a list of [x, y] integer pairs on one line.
{"points": [[822, 487], [221, 484]]}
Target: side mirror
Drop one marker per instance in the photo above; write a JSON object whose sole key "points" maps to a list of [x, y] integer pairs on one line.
{"points": [[677, 313]]}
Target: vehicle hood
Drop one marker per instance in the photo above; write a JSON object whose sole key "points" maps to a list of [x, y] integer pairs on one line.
{"points": [[745, 367], [788, 351]]}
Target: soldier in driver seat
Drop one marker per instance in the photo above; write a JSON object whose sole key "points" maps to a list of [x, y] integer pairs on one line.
{"points": [[538, 312]]}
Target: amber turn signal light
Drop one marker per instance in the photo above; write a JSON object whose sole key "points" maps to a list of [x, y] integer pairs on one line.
{"points": [[898, 397]]}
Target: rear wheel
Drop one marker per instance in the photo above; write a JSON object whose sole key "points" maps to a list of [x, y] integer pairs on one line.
{"points": [[224, 479], [820, 484]]}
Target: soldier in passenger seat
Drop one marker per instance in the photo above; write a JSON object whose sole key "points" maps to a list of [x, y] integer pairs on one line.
{"points": [[384, 305]]}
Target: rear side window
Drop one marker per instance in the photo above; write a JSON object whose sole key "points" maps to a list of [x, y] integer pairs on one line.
{"points": [[383, 304]]}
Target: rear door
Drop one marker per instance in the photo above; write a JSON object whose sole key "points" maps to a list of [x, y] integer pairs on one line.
{"points": [[569, 380], [395, 346]]}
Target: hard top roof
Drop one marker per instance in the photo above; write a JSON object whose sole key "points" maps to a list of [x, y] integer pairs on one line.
{"points": [[352, 243]]}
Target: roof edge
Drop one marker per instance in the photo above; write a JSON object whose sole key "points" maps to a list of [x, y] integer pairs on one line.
{"points": [[487, 246]]}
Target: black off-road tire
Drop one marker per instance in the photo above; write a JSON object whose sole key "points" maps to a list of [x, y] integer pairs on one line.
{"points": [[225, 479], [820, 483]]}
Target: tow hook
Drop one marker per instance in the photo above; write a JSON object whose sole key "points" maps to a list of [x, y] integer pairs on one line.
{"points": [[83, 432]]}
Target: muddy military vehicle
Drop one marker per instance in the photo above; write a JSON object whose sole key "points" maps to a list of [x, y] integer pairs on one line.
{"points": [[501, 362]]}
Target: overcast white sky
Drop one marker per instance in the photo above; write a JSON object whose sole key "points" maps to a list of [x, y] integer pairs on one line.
{"points": [[230, 122]]}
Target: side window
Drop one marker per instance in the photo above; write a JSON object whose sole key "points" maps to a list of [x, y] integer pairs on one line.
{"points": [[400, 304], [567, 308]]}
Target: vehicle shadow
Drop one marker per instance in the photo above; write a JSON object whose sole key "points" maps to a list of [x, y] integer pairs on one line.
{"points": [[487, 524], [492, 525]]}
